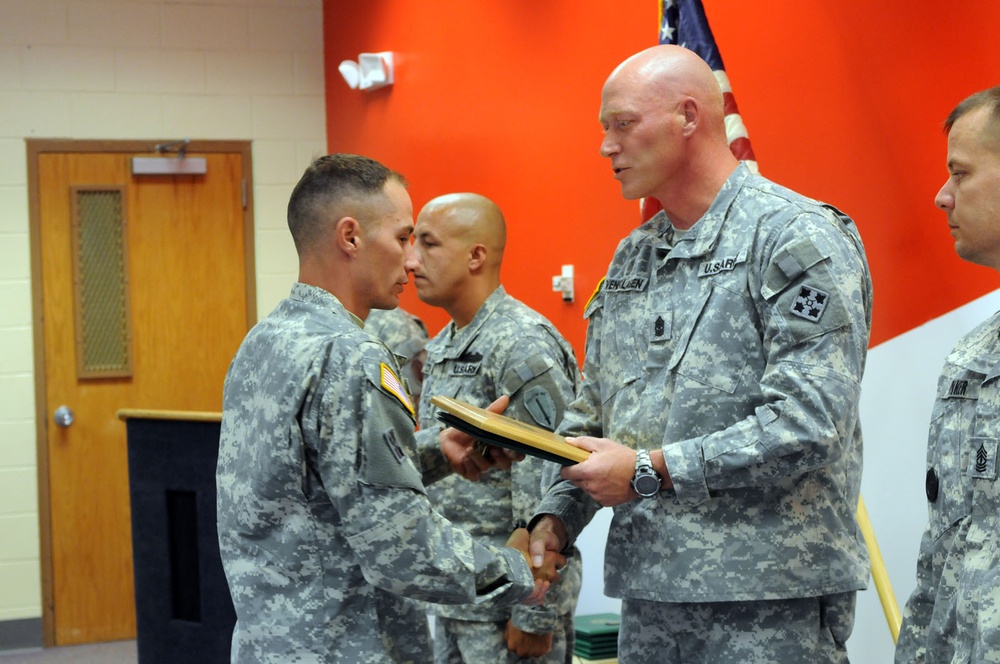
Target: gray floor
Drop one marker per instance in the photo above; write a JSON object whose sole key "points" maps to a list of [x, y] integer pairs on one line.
{"points": [[117, 652]]}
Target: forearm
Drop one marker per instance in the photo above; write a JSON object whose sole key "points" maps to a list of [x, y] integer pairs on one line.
{"points": [[807, 421], [439, 563]]}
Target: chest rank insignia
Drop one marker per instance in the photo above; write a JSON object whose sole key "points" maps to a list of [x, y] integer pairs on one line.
{"points": [[394, 386], [810, 303], [660, 329], [982, 456], [983, 464]]}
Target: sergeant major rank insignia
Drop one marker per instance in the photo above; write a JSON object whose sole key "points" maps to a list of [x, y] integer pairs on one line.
{"points": [[983, 463], [810, 303]]}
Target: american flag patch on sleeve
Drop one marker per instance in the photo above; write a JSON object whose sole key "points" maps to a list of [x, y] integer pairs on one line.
{"points": [[394, 386]]}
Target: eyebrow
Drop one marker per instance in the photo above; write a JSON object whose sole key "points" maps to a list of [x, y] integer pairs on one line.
{"points": [[611, 112]]}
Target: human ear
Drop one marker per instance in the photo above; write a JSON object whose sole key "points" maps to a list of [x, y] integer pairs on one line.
{"points": [[346, 234], [477, 256], [691, 115]]}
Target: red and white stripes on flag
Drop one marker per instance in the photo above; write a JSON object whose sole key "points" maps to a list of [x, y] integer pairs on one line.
{"points": [[683, 22]]}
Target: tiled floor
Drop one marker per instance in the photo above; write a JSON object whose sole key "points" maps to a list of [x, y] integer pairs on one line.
{"points": [[117, 652]]}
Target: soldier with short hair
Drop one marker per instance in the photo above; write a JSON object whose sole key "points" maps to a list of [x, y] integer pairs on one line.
{"points": [[953, 614], [325, 529]]}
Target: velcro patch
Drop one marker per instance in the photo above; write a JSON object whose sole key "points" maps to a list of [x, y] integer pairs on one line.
{"points": [[539, 403], [659, 327], [637, 284], [394, 386], [464, 369], [983, 462], [961, 388], [718, 265], [810, 303], [390, 439]]}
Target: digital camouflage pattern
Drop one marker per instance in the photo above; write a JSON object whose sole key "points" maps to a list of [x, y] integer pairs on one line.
{"points": [[324, 525], [805, 630], [467, 641], [738, 350], [405, 335], [953, 614], [507, 348]]}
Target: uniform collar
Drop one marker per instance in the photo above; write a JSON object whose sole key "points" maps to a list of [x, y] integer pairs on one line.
{"points": [[702, 237], [454, 342], [322, 298]]}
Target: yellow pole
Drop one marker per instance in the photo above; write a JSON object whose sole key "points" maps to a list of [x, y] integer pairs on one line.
{"points": [[879, 573]]}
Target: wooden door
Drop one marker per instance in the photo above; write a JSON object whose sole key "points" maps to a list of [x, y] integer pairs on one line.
{"points": [[169, 302]]}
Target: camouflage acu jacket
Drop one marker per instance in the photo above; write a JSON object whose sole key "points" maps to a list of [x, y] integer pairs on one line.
{"points": [[324, 525], [952, 614], [738, 350], [507, 348]]}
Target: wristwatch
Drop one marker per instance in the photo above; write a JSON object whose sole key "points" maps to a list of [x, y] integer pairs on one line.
{"points": [[646, 481]]}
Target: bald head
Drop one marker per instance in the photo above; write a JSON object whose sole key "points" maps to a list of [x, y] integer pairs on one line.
{"points": [[664, 131], [472, 218], [668, 73], [458, 247]]}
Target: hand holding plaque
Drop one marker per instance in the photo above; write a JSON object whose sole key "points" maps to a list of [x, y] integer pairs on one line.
{"points": [[507, 432]]}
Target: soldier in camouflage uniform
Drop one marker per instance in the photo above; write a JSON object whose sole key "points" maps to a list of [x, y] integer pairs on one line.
{"points": [[494, 345], [405, 335], [725, 350], [953, 614], [324, 525]]}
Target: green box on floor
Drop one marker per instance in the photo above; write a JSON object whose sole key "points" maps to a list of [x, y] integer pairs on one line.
{"points": [[596, 635]]}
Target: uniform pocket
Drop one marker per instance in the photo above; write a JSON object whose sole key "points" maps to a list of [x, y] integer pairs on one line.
{"points": [[623, 343], [718, 341]]}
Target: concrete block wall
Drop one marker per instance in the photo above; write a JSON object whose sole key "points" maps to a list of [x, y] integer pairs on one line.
{"points": [[138, 69]]}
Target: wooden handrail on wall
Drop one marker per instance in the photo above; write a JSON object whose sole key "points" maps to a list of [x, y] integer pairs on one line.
{"points": [[147, 414], [879, 573]]}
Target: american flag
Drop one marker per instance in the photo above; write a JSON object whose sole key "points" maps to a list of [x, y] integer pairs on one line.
{"points": [[683, 22], [394, 386]]}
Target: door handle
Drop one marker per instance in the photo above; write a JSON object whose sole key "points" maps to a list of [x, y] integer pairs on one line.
{"points": [[63, 416]]}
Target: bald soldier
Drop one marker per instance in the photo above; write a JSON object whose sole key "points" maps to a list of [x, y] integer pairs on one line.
{"points": [[725, 350], [493, 346], [325, 529]]}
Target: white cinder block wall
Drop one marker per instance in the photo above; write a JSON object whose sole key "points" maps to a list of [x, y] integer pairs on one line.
{"points": [[139, 69]]}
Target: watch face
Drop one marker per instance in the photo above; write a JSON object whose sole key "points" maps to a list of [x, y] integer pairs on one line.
{"points": [[646, 485]]}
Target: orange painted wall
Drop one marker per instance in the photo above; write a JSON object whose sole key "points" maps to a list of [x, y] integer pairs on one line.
{"points": [[843, 102]]}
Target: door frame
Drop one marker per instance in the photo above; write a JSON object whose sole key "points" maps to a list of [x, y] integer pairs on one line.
{"points": [[35, 148]]}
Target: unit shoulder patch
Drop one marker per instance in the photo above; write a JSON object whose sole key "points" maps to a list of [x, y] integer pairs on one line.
{"points": [[810, 303], [593, 296], [539, 403]]}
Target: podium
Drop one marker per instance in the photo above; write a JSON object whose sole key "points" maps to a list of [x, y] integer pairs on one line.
{"points": [[182, 603]]}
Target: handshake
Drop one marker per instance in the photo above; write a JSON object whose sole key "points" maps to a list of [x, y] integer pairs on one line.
{"points": [[546, 572]]}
